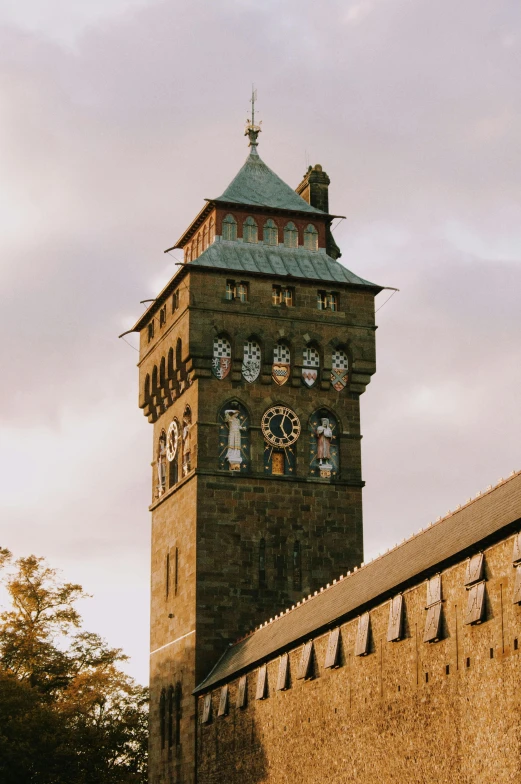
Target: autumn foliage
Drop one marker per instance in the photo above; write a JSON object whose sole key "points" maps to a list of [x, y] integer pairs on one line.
{"points": [[68, 713]]}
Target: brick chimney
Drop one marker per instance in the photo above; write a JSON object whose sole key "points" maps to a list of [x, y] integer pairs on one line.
{"points": [[314, 189]]}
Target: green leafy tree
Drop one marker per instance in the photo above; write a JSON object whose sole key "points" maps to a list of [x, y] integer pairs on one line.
{"points": [[68, 713]]}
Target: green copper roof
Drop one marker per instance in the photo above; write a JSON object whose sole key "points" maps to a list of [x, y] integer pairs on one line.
{"points": [[277, 260], [256, 185]]}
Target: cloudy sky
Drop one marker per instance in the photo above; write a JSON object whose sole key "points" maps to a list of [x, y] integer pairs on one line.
{"points": [[117, 117]]}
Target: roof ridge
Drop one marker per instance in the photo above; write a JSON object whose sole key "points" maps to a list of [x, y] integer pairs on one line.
{"points": [[480, 494]]}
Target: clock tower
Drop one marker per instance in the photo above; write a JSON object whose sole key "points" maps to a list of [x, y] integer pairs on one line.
{"points": [[252, 362]]}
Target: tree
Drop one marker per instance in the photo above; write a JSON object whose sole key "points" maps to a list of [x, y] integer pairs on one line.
{"points": [[92, 717]]}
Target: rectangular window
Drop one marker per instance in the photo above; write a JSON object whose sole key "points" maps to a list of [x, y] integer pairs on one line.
{"points": [[288, 297], [151, 331], [321, 300], [276, 296], [175, 301], [328, 300], [230, 289], [242, 292], [162, 316]]}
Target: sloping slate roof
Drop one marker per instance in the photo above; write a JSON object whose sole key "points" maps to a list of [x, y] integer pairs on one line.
{"points": [[256, 184], [277, 260], [474, 522]]}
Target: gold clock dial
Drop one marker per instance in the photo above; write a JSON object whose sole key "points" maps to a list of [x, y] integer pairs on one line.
{"points": [[280, 426]]}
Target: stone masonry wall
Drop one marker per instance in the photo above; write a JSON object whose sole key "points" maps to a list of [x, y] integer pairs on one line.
{"points": [[410, 711]]}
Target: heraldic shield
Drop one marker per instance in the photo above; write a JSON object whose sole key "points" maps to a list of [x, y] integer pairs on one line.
{"points": [[339, 375], [221, 366], [309, 376], [280, 373], [222, 357]]}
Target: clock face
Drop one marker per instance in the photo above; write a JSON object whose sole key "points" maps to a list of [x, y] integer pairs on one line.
{"points": [[280, 426], [172, 439]]}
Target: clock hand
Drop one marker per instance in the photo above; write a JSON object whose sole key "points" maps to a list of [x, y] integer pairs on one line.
{"points": [[283, 418]]}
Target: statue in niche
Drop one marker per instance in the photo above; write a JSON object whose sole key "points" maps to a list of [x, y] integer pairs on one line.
{"points": [[234, 439], [324, 445], [187, 438], [161, 465], [233, 454]]}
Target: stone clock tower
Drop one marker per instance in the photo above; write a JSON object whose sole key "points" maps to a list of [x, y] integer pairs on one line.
{"points": [[252, 362]]}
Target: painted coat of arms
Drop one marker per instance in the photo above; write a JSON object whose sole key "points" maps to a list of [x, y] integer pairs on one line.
{"points": [[339, 374], [222, 357], [280, 373], [281, 368], [311, 364], [251, 363]]}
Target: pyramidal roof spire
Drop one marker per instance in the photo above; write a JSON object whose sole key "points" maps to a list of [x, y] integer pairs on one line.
{"points": [[252, 130]]}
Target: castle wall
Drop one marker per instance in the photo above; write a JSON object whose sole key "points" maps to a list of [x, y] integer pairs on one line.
{"points": [[409, 711]]}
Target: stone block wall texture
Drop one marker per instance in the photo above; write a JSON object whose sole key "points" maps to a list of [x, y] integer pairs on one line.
{"points": [[215, 519], [409, 711]]}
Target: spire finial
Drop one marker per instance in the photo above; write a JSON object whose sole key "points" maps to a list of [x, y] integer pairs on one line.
{"points": [[252, 130]]}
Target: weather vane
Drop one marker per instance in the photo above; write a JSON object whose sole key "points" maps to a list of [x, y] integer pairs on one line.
{"points": [[252, 130]]}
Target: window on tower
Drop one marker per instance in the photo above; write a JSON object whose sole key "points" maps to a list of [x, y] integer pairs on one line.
{"points": [[150, 331], [162, 316], [249, 230], [297, 567], [236, 290], [205, 237], [311, 237], [211, 231], [290, 235], [270, 233], [229, 228], [283, 295], [327, 300]]}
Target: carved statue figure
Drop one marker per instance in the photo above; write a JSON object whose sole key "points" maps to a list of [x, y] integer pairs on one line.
{"points": [[161, 465], [233, 455], [324, 436], [187, 424]]}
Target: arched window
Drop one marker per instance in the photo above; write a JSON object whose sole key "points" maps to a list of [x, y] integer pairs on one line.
{"points": [[281, 369], [251, 361], [290, 235], [339, 370], [234, 437], [222, 357], [155, 387], [147, 389], [199, 244], [323, 445], [170, 716], [186, 441], [161, 464], [297, 567], [162, 373], [310, 365], [262, 563], [211, 231], [170, 363], [205, 237], [249, 230], [229, 228], [178, 702], [310, 237], [178, 354], [162, 717], [270, 233], [188, 253]]}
